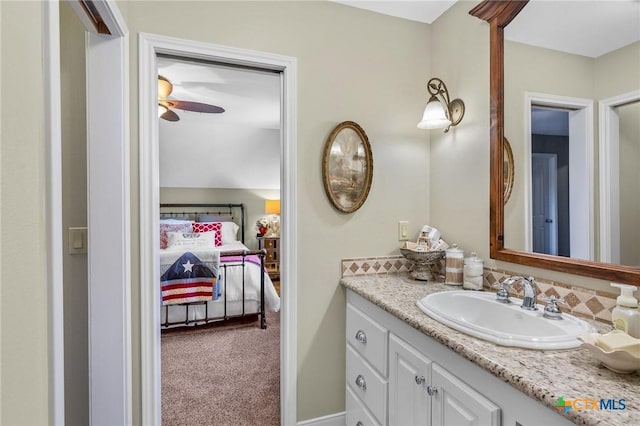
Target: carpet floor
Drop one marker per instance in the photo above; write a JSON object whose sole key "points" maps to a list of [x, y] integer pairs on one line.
{"points": [[221, 376]]}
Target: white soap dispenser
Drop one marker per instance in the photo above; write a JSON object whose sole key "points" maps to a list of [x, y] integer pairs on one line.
{"points": [[625, 315]]}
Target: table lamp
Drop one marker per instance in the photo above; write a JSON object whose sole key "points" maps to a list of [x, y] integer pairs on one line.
{"points": [[272, 207]]}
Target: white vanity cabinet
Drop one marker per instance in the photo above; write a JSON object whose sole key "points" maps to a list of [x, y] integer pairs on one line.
{"points": [[420, 389], [398, 376]]}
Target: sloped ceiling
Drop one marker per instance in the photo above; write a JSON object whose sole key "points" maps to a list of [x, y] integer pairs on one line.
{"points": [[239, 148]]}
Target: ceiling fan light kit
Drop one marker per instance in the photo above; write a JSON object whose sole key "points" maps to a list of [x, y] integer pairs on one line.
{"points": [[165, 106]]}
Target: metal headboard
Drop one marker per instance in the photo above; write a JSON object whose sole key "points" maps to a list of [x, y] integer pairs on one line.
{"points": [[229, 208]]}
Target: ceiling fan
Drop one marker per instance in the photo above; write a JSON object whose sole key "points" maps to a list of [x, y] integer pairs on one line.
{"points": [[165, 106]]}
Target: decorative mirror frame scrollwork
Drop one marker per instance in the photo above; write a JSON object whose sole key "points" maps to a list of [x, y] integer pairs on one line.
{"points": [[499, 13], [508, 169], [335, 186]]}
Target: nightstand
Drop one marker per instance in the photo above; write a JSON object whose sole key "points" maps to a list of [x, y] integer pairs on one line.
{"points": [[272, 259]]}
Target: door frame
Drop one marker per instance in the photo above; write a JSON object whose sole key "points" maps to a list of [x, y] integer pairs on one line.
{"points": [[149, 46], [108, 207], [585, 117], [53, 208], [609, 161]]}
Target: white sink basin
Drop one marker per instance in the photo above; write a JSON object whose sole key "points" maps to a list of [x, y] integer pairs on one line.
{"points": [[479, 315]]}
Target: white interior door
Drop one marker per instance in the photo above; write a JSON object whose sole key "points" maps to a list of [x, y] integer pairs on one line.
{"points": [[544, 203]]}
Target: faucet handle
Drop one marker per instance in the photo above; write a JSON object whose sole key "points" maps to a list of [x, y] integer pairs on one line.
{"points": [[503, 287], [552, 311], [554, 300]]}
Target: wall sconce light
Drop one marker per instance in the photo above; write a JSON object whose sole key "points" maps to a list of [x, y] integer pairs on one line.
{"points": [[440, 112]]}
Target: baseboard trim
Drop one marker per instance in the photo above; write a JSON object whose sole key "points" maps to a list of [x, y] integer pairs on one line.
{"points": [[337, 419]]}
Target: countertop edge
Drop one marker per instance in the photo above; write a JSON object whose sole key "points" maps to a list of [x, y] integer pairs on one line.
{"points": [[529, 387]]}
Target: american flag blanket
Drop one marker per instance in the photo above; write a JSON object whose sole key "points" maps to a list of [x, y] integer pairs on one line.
{"points": [[190, 278]]}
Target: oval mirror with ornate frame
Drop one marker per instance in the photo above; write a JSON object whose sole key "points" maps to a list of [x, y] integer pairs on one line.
{"points": [[347, 167], [499, 13], [509, 170]]}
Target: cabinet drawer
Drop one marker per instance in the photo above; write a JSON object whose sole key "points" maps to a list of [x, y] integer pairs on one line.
{"points": [[368, 338], [367, 385], [269, 243], [356, 413]]}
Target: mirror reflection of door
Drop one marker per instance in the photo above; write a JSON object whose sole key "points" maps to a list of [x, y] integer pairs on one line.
{"points": [[544, 193], [625, 194], [561, 133]]}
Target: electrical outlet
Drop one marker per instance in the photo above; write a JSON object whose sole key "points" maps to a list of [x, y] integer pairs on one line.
{"points": [[403, 230]]}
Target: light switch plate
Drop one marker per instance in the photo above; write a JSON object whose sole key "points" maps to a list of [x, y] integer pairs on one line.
{"points": [[403, 230], [78, 240]]}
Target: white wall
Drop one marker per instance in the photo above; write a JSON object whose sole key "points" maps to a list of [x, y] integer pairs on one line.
{"points": [[352, 65], [24, 369], [459, 187]]}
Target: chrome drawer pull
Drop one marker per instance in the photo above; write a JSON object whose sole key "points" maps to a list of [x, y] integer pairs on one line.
{"points": [[361, 383], [432, 390], [419, 380], [361, 336]]}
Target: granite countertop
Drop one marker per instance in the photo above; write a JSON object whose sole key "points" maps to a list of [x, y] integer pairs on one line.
{"points": [[543, 375]]}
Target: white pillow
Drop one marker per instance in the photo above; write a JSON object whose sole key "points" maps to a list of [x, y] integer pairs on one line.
{"points": [[197, 239], [175, 221], [229, 232]]}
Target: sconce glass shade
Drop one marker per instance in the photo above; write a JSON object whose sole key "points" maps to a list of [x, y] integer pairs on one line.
{"points": [[435, 115], [272, 206]]}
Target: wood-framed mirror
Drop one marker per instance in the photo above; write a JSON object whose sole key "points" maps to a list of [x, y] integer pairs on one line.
{"points": [[508, 169], [347, 167], [499, 14]]}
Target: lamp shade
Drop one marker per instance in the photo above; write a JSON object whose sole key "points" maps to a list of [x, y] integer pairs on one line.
{"points": [[272, 206], [435, 116]]}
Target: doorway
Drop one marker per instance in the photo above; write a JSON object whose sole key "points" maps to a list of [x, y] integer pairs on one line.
{"points": [[618, 159], [563, 127], [149, 48], [219, 143]]}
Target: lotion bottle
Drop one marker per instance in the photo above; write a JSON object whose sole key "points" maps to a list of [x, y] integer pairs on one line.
{"points": [[625, 315]]}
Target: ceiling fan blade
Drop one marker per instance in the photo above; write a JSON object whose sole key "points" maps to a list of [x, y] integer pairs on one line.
{"points": [[196, 106], [170, 116]]}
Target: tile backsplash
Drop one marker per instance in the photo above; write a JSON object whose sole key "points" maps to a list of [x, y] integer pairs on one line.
{"points": [[581, 302], [375, 265]]}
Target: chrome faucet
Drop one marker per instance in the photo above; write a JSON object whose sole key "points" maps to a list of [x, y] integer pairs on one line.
{"points": [[529, 299]]}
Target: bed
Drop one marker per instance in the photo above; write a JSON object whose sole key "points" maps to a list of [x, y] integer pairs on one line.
{"points": [[215, 279]]}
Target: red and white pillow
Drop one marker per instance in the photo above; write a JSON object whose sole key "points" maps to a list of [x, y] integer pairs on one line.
{"points": [[215, 227]]}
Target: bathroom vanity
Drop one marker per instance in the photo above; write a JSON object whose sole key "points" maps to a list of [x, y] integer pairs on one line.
{"points": [[405, 368]]}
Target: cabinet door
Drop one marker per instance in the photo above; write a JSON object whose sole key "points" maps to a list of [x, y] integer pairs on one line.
{"points": [[456, 403], [409, 376]]}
